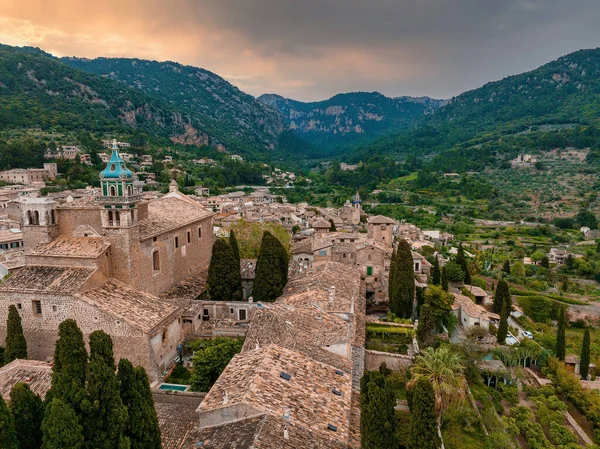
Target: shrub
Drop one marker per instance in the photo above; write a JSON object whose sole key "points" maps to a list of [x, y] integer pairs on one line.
{"points": [[561, 436]]}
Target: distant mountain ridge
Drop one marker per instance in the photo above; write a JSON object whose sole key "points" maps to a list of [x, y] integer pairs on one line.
{"points": [[348, 119]]}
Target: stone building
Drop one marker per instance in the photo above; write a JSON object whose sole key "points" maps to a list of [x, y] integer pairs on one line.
{"points": [[381, 228], [28, 176], [103, 260]]}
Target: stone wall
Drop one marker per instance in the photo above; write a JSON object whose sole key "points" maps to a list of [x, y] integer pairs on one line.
{"points": [[374, 359]]}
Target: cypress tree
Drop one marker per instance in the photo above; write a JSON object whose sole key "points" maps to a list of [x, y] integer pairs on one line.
{"points": [[444, 280], [427, 324], [560, 336], [70, 366], [270, 275], [28, 411], [377, 415], [545, 262], [332, 227], [461, 261], [584, 361], [284, 262], [234, 246], [392, 277], [503, 326], [16, 345], [60, 427], [420, 299], [142, 425], [101, 345], [402, 292], [104, 415], [8, 434], [224, 278], [423, 432], [436, 275], [501, 296], [506, 266]]}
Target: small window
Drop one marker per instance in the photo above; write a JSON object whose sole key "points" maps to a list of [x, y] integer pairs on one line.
{"points": [[242, 314], [154, 239], [200, 233], [344, 255], [19, 306], [112, 191], [285, 375], [37, 307], [176, 242], [54, 309], [164, 336], [205, 312], [189, 237], [113, 167], [156, 260], [231, 310], [369, 271], [322, 252]]}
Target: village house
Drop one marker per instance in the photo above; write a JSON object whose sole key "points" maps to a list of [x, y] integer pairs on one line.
{"points": [[103, 260], [470, 314], [381, 228], [29, 176], [558, 256]]}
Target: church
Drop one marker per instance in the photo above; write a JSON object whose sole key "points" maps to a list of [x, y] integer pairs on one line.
{"points": [[104, 261]]}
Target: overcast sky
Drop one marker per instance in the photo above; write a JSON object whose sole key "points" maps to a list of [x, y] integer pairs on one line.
{"points": [[313, 49]]}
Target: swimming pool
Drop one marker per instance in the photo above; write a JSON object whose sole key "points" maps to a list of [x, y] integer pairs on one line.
{"points": [[173, 387]]}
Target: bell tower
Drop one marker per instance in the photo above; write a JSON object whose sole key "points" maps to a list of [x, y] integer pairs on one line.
{"points": [[119, 203], [38, 221]]}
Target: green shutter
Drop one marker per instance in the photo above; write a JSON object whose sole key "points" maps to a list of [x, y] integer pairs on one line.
{"points": [[369, 271]]}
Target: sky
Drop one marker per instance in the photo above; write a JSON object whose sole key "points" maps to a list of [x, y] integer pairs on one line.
{"points": [[312, 49]]}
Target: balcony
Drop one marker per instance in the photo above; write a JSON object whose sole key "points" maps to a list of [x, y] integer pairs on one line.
{"points": [[118, 199], [114, 223]]}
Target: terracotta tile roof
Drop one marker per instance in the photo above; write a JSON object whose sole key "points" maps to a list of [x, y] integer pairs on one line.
{"points": [[472, 309], [38, 375], [141, 310], [254, 379], [169, 213], [189, 288], [177, 416], [380, 219], [85, 202], [238, 434], [66, 246], [335, 287], [321, 224], [46, 279]]}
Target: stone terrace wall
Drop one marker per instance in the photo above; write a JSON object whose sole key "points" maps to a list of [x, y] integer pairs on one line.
{"points": [[374, 359]]}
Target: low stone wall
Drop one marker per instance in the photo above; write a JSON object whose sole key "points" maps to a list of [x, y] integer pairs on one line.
{"points": [[374, 359]]}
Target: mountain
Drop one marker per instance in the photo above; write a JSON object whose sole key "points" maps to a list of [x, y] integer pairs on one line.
{"points": [[349, 119], [561, 95], [223, 112]]}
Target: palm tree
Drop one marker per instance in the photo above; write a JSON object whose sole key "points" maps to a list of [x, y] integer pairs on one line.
{"points": [[444, 369]]}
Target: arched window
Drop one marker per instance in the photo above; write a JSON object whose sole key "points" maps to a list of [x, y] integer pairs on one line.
{"points": [[53, 216], [112, 191], [29, 217], [156, 260], [129, 190], [36, 218]]}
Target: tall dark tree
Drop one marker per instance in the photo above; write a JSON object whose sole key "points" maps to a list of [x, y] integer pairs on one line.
{"points": [[461, 261], [224, 278], [560, 335], [402, 292], [60, 427], [104, 415], [427, 325], [70, 366], [501, 296], [545, 262], [16, 345], [8, 434], [234, 245], [584, 361], [444, 279], [142, 426], [436, 274], [28, 411], [271, 269], [503, 326], [332, 227], [506, 267], [377, 415], [423, 433], [420, 294], [101, 345]]}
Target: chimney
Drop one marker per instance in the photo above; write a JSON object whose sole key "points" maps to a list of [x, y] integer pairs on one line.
{"points": [[173, 186], [331, 295]]}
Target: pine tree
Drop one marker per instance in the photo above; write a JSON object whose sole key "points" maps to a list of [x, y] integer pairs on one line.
{"points": [[560, 336], [402, 292], [444, 280], [423, 432], [60, 427], [234, 246], [16, 345], [101, 345], [142, 426], [461, 261], [584, 361], [224, 278], [104, 415], [501, 296], [506, 267], [28, 411], [378, 419], [8, 434], [70, 366], [503, 326], [436, 275], [271, 276]]}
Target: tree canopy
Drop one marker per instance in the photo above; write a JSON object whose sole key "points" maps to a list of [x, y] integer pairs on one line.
{"points": [[16, 345], [224, 278]]}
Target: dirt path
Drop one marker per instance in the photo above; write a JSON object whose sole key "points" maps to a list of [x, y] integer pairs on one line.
{"points": [[578, 428]]}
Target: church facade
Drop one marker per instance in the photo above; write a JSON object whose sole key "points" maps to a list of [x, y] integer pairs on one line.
{"points": [[104, 261]]}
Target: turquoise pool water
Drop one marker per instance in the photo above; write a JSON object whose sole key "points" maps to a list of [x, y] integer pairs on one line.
{"points": [[173, 387]]}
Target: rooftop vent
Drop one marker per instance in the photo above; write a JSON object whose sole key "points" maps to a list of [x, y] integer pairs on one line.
{"points": [[332, 427], [285, 375], [339, 373], [336, 392]]}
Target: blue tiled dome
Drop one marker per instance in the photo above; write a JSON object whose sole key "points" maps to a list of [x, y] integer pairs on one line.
{"points": [[116, 169]]}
